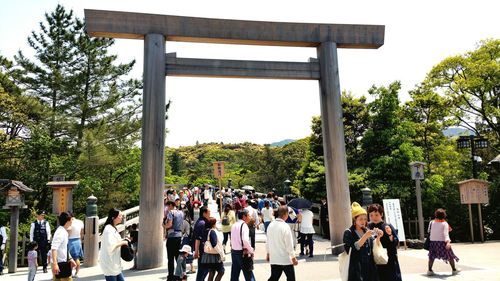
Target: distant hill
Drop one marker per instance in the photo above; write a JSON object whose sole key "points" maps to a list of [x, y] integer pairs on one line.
{"points": [[281, 143], [453, 132]]}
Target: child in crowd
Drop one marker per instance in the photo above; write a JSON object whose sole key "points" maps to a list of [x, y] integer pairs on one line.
{"points": [[134, 240], [32, 260], [180, 269]]}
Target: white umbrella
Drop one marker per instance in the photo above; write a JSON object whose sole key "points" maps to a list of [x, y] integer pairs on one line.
{"points": [[248, 187]]}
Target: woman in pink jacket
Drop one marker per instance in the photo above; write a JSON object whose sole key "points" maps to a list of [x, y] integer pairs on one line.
{"points": [[440, 243]]}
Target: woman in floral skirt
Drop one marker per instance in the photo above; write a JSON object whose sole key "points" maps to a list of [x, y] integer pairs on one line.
{"points": [[440, 243]]}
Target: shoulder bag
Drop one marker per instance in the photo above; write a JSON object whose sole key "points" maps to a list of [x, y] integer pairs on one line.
{"points": [[126, 252], [379, 253], [64, 267], [247, 259], [427, 242]]}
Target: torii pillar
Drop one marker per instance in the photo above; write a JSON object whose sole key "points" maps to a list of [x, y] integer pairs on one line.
{"points": [[156, 29]]}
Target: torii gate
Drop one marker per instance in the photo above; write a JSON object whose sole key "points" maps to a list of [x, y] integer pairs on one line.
{"points": [[156, 29]]}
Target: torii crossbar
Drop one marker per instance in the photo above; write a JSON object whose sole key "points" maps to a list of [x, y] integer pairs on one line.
{"points": [[156, 29]]}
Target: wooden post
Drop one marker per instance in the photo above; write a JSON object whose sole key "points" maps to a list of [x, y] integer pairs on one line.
{"points": [[420, 213], [337, 188], [481, 230], [153, 164], [91, 241], [470, 223], [14, 225]]}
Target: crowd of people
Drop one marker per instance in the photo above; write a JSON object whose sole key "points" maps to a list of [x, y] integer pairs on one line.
{"points": [[191, 219], [194, 217]]}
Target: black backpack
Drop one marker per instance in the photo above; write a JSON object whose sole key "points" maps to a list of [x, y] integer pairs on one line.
{"points": [[225, 220]]}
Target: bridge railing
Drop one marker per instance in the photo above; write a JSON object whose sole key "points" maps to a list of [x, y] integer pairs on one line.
{"points": [[130, 216]]}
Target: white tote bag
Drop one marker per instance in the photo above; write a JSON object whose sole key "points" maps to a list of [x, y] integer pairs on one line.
{"points": [[344, 259], [379, 253]]}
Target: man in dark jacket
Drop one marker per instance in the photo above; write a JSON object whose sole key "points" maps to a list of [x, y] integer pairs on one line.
{"points": [[323, 217]]}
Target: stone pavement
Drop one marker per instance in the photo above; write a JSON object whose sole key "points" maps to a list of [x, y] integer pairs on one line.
{"points": [[477, 262]]}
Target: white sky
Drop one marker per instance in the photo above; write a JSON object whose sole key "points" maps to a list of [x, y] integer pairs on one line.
{"points": [[418, 35]]}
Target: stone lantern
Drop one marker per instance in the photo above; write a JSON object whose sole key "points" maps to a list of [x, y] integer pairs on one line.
{"points": [[14, 200]]}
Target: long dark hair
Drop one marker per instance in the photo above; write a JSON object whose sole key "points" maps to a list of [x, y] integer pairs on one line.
{"points": [[112, 214]]}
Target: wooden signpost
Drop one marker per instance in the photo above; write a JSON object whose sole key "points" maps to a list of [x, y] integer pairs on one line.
{"points": [[474, 191], [219, 174]]}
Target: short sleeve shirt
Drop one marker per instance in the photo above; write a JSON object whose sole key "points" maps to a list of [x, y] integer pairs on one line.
{"points": [[178, 219], [32, 256], [200, 233]]}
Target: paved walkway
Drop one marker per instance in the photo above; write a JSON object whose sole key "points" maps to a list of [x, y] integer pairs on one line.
{"points": [[477, 262]]}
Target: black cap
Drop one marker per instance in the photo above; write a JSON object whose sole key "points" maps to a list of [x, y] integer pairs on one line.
{"points": [[41, 212]]}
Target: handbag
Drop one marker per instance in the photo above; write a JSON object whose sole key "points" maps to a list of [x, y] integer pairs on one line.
{"points": [[64, 268], [379, 253], [247, 263], [344, 259], [427, 242], [207, 248], [126, 252]]}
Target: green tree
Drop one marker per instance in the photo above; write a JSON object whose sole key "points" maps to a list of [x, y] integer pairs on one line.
{"points": [[388, 147], [472, 82]]}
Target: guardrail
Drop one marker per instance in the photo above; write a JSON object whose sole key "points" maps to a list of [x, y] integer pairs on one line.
{"points": [[130, 216]]}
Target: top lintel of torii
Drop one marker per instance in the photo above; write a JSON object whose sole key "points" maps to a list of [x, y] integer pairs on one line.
{"points": [[114, 24]]}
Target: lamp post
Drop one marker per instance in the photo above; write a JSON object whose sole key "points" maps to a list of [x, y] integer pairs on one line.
{"points": [[14, 195], [417, 174], [473, 142]]}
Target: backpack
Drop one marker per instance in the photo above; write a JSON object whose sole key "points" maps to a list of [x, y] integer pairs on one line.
{"points": [[225, 220]]}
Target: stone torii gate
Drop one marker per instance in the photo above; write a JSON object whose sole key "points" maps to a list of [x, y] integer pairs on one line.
{"points": [[155, 30]]}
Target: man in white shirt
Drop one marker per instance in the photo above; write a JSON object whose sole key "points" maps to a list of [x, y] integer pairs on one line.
{"points": [[280, 250], [240, 245], [40, 232], [254, 222], [59, 248]]}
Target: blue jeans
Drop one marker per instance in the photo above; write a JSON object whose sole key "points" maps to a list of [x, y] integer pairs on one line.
{"points": [[202, 272], [236, 267], [118, 277], [266, 225]]}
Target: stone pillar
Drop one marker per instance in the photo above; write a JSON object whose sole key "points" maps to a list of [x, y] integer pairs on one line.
{"points": [[91, 235], [337, 187], [14, 229], [150, 253]]}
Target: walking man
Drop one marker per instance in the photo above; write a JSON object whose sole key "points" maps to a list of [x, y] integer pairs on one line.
{"points": [[200, 236], [280, 250], [59, 249], [323, 217], [240, 242], [173, 225], [40, 233]]}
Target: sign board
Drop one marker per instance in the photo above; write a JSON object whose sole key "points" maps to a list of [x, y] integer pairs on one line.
{"points": [[392, 215], [473, 192], [219, 169], [417, 170]]}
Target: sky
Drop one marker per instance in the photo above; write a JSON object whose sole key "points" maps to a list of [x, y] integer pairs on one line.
{"points": [[418, 35]]}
